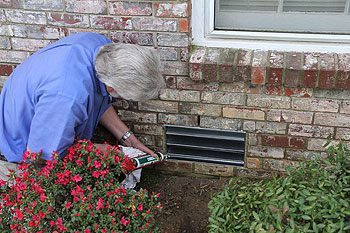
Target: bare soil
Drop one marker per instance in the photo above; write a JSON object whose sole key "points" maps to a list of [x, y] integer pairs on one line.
{"points": [[185, 199]]}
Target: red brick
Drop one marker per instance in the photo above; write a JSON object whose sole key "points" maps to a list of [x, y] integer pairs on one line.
{"points": [[309, 79], [273, 90], [327, 79], [6, 70], [132, 38], [243, 69], [68, 20], [293, 61], [343, 80], [293, 78], [210, 71], [275, 141], [275, 76], [297, 92], [276, 59], [111, 23], [258, 75], [226, 63], [170, 81], [183, 25], [297, 143]]}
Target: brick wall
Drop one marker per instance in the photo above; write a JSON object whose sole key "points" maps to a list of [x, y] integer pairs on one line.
{"points": [[288, 103]]}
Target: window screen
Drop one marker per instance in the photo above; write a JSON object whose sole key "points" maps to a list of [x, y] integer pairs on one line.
{"points": [[302, 16]]}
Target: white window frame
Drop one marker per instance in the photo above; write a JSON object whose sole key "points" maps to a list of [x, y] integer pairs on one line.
{"points": [[204, 34]]}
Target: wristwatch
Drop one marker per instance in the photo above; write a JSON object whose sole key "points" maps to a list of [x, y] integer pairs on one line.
{"points": [[125, 137]]}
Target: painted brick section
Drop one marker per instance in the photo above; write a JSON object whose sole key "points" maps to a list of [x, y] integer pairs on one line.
{"points": [[168, 53], [13, 56], [86, 6], [173, 40], [195, 65], [129, 8], [5, 43], [110, 23], [37, 32], [265, 152], [17, 16], [54, 5], [157, 24], [283, 141], [11, 3], [259, 65], [171, 9], [226, 63], [28, 44], [70, 20]]}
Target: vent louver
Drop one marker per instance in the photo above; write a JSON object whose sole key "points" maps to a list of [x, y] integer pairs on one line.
{"points": [[205, 145]]}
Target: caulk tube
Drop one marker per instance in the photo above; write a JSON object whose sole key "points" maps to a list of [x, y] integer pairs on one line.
{"points": [[147, 160]]}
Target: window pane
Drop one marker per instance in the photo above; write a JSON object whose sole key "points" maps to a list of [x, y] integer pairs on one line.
{"points": [[249, 5], [314, 6]]}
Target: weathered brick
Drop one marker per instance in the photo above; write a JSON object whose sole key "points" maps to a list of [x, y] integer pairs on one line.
{"points": [[282, 141], [125, 104], [171, 9], [158, 106], [327, 79], [289, 116], [310, 131], [86, 6], [138, 116], [275, 76], [168, 53], [298, 92], [254, 163], [171, 81], [297, 143], [37, 32], [6, 70], [243, 69], [301, 154], [183, 25], [210, 71], [343, 80], [154, 24], [71, 20], [213, 169], [265, 152], [226, 62], [344, 61], [310, 61], [310, 78], [293, 74], [321, 105], [320, 144], [200, 109], [148, 140], [278, 165], [293, 78], [276, 59], [273, 90], [175, 68], [236, 87], [184, 54], [139, 38], [2, 16], [28, 44], [5, 43], [187, 120], [148, 129], [181, 95], [332, 94], [13, 56], [174, 40], [266, 101], [5, 30], [129, 8], [343, 133], [220, 123], [258, 75], [259, 64], [17, 16], [345, 107], [11, 4], [260, 58], [111, 23], [196, 64], [271, 127], [54, 5], [252, 139], [332, 119], [160, 141], [243, 113], [189, 84], [249, 126], [223, 98]]}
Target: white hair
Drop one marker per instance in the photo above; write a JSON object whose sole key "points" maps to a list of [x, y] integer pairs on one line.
{"points": [[133, 71]]}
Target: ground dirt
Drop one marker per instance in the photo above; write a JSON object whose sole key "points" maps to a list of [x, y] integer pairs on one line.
{"points": [[185, 199]]}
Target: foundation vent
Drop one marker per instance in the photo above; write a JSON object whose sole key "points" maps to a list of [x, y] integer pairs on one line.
{"points": [[205, 145]]}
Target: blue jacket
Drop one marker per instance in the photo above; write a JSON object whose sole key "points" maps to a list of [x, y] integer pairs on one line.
{"points": [[53, 97]]}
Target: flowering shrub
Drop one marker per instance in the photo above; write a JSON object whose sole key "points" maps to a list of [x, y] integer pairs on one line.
{"points": [[79, 193]]}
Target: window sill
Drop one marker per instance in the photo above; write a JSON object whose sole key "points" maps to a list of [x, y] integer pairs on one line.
{"points": [[278, 71]]}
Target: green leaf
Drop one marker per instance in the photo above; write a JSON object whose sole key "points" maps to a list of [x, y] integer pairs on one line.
{"points": [[306, 217]]}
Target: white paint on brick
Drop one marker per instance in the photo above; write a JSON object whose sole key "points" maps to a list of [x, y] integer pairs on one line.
{"points": [[37, 32], [175, 68], [315, 105], [13, 56], [168, 53], [265, 152], [249, 126], [177, 10], [5, 30], [310, 131], [54, 5], [151, 24], [18, 16], [2, 16], [173, 40], [86, 6], [28, 44], [74, 21]]}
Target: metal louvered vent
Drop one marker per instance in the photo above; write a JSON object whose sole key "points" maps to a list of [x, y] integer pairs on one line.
{"points": [[205, 145]]}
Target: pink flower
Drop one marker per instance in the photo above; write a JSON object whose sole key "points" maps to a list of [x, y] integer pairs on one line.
{"points": [[18, 214], [97, 164], [99, 204], [124, 222], [76, 178], [140, 207], [68, 205]]}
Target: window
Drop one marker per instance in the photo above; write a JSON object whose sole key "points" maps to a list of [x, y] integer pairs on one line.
{"points": [[298, 16], [287, 25]]}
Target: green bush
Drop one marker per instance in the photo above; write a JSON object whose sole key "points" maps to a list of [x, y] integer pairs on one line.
{"points": [[315, 197]]}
